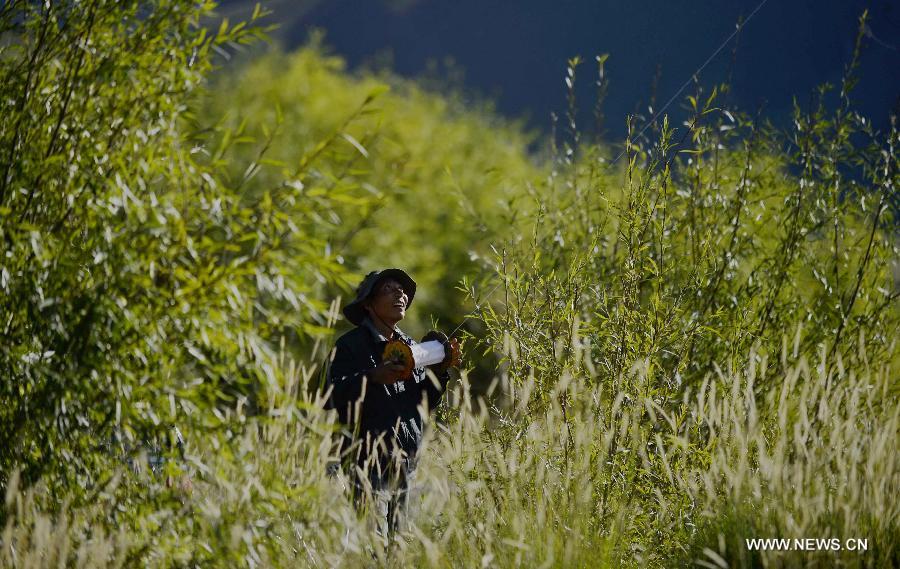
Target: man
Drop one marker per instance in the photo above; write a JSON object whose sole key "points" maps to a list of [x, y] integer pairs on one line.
{"points": [[379, 407]]}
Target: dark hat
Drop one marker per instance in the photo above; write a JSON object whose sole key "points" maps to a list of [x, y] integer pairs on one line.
{"points": [[355, 312]]}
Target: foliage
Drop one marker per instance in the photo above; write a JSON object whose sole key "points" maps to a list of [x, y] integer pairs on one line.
{"points": [[429, 173], [696, 343], [139, 286], [705, 243]]}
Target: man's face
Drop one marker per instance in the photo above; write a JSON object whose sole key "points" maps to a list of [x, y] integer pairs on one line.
{"points": [[388, 302]]}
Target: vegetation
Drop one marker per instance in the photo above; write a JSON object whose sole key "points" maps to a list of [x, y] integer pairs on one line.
{"points": [[396, 148], [680, 348]]}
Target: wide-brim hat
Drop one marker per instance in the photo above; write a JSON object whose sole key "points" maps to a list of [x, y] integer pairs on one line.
{"points": [[355, 312]]}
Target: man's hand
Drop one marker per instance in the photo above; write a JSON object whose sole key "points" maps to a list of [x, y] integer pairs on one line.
{"points": [[451, 350], [435, 336], [388, 373]]}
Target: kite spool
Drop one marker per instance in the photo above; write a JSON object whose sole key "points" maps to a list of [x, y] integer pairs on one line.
{"points": [[422, 355]]}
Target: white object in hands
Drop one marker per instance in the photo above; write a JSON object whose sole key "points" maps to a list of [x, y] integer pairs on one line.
{"points": [[428, 353]]}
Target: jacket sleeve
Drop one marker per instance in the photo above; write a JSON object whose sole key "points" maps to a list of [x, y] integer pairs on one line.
{"points": [[345, 376]]}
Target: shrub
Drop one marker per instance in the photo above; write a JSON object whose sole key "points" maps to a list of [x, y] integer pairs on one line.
{"points": [[140, 287]]}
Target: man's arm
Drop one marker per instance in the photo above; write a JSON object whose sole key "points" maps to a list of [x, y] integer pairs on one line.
{"points": [[345, 376], [434, 391]]}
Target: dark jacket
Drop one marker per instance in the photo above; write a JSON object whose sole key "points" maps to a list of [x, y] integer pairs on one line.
{"points": [[371, 411]]}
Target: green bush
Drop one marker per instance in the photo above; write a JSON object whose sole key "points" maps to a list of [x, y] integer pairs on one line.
{"points": [[703, 244], [430, 174], [140, 286]]}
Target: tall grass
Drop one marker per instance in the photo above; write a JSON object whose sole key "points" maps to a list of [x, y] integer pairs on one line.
{"points": [[610, 479]]}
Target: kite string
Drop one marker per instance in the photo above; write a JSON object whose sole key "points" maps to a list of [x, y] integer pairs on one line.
{"points": [[477, 307], [868, 31], [671, 100]]}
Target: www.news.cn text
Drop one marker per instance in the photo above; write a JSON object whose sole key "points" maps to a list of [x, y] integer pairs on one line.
{"points": [[807, 544]]}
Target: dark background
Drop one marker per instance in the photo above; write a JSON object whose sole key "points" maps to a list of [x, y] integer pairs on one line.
{"points": [[515, 53]]}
